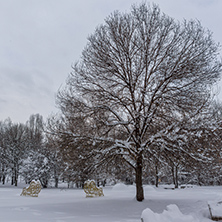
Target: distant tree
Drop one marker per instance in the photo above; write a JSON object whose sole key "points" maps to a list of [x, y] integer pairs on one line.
{"points": [[209, 140], [3, 161], [54, 158], [139, 72], [37, 164], [58, 164], [15, 147], [35, 125], [70, 158]]}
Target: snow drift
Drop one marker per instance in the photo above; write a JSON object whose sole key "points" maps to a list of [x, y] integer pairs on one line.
{"points": [[171, 214]]}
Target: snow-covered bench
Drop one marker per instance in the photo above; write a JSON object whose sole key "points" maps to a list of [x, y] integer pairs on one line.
{"points": [[32, 190], [186, 186], [215, 208], [92, 190]]}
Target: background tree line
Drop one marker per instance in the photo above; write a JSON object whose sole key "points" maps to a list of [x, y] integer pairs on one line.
{"points": [[46, 151]]}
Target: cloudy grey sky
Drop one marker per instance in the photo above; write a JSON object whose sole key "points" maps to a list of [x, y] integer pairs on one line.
{"points": [[41, 39]]}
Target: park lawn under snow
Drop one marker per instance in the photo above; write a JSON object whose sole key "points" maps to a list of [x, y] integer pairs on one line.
{"points": [[118, 204]]}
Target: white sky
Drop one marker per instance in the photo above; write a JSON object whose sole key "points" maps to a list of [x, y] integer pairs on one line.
{"points": [[41, 39]]}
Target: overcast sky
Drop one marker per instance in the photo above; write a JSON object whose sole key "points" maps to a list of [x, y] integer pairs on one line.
{"points": [[41, 39]]}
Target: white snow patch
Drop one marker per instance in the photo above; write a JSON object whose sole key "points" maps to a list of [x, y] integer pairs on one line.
{"points": [[216, 208], [121, 187], [118, 204], [171, 214], [148, 188]]}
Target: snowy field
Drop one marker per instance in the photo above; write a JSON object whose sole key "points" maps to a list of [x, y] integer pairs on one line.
{"points": [[118, 204]]}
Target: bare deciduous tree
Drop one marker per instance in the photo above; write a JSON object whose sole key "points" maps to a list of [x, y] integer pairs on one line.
{"points": [[139, 72]]}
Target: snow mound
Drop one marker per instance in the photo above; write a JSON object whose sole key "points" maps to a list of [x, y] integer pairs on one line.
{"points": [[215, 208], [171, 214], [121, 187]]}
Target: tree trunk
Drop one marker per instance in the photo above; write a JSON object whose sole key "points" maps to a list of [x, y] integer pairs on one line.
{"points": [[56, 182], [176, 177], [56, 178], [16, 178], [3, 179], [173, 175], [157, 175], [16, 175], [12, 181], [139, 184], [3, 175]]}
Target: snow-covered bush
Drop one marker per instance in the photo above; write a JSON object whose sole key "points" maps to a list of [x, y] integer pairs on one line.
{"points": [[121, 187]]}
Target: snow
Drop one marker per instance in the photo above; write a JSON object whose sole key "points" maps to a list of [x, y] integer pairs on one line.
{"points": [[118, 204], [216, 208], [171, 214], [121, 187]]}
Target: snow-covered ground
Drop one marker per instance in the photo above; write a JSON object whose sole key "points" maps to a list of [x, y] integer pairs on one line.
{"points": [[118, 204]]}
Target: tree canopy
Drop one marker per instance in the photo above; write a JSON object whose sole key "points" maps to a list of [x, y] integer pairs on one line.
{"points": [[141, 76]]}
